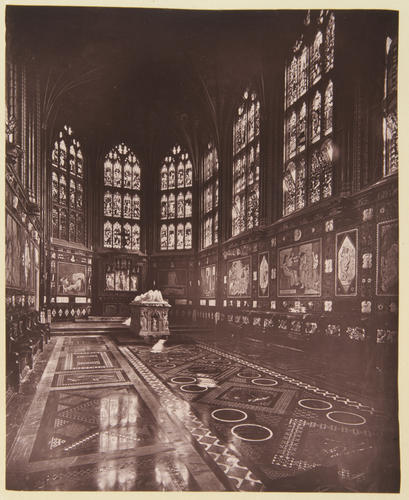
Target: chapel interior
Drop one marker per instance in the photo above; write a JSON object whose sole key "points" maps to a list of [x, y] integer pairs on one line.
{"points": [[201, 219]]}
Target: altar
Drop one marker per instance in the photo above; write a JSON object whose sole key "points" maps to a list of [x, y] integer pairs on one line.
{"points": [[149, 315]]}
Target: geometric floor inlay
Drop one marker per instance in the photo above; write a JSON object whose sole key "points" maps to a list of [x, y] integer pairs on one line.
{"points": [[252, 432], [192, 388], [161, 472], [88, 378], [101, 427], [85, 361], [229, 415], [238, 474], [248, 397], [183, 380], [266, 382], [315, 404], [99, 420], [346, 418]]}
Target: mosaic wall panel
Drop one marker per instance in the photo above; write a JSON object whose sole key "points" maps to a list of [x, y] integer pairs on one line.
{"points": [[387, 263], [300, 270], [208, 281], [239, 278], [263, 274]]}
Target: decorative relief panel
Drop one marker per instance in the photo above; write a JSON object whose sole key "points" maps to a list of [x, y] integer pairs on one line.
{"points": [[346, 263]]}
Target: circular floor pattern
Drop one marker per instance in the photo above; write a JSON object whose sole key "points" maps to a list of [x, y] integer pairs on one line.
{"points": [[346, 418], [165, 365], [315, 404], [183, 380], [248, 374], [229, 415], [266, 382], [193, 388], [252, 432]]}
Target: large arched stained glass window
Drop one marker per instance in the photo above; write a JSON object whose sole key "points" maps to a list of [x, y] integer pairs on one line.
{"points": [[246, 164], [176, 179], [390, 116], [67, 188], [308, 125], [210, 197], [122, 200]]}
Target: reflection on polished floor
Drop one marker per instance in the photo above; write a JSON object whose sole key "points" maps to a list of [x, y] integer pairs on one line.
{"points": [[109, 414]]}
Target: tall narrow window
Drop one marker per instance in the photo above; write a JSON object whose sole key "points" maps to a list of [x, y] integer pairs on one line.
{"points": [[246, 164], [210, 197], [390, 116], [67, 188], [176, 178], [122, 202], [309, 115]]}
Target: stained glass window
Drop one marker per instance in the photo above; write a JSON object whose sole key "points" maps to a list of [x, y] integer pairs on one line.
{"points": [[328, 103], [330, 42], [55, 222], [171, 237], [164, 178], [164, 207], [54, 187], [117, 235], [176, 177], [209, 196], [309, 112], [136, 237], [390, 115], [127, 236], [164, 237], [246, 163], [180, 205], [79, 195], [122, 202], [72, 193], [67, 188]]}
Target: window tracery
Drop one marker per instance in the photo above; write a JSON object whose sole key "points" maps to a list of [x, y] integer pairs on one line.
{"points": [[67, 188], [246, 164], [122, 202], [309, 112], [210, 196], [176, 178]]}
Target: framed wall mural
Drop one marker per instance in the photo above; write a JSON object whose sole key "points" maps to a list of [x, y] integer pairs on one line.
{"points": [[387, 258], [346, 263], [172, 283], [71, 279], [300, 270], [263, 274], [13, 252], [208, 281], [239, 278], [26, 261]]}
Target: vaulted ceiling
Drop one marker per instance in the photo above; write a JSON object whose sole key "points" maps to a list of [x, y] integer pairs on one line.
{"points": [[138, 75]]}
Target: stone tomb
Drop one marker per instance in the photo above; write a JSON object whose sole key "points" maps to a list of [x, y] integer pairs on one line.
{"points": [[149, 315]]}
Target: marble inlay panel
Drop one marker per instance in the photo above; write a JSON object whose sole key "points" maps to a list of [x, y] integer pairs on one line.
{"points": [[249, 397], [89, 378], [102, 420], [158, 472], [85, 361]]}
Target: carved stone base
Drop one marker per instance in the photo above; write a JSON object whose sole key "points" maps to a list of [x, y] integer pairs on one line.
{"points": [[150, 319]]}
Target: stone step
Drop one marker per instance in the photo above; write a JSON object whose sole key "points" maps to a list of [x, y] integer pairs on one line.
{"points": [[110, 319]]}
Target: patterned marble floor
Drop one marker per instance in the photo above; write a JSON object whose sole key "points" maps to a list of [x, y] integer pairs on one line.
{"points": [[194, 417]]}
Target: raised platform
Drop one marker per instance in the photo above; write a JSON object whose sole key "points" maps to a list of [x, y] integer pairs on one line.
{"points": [[92, 326]]}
